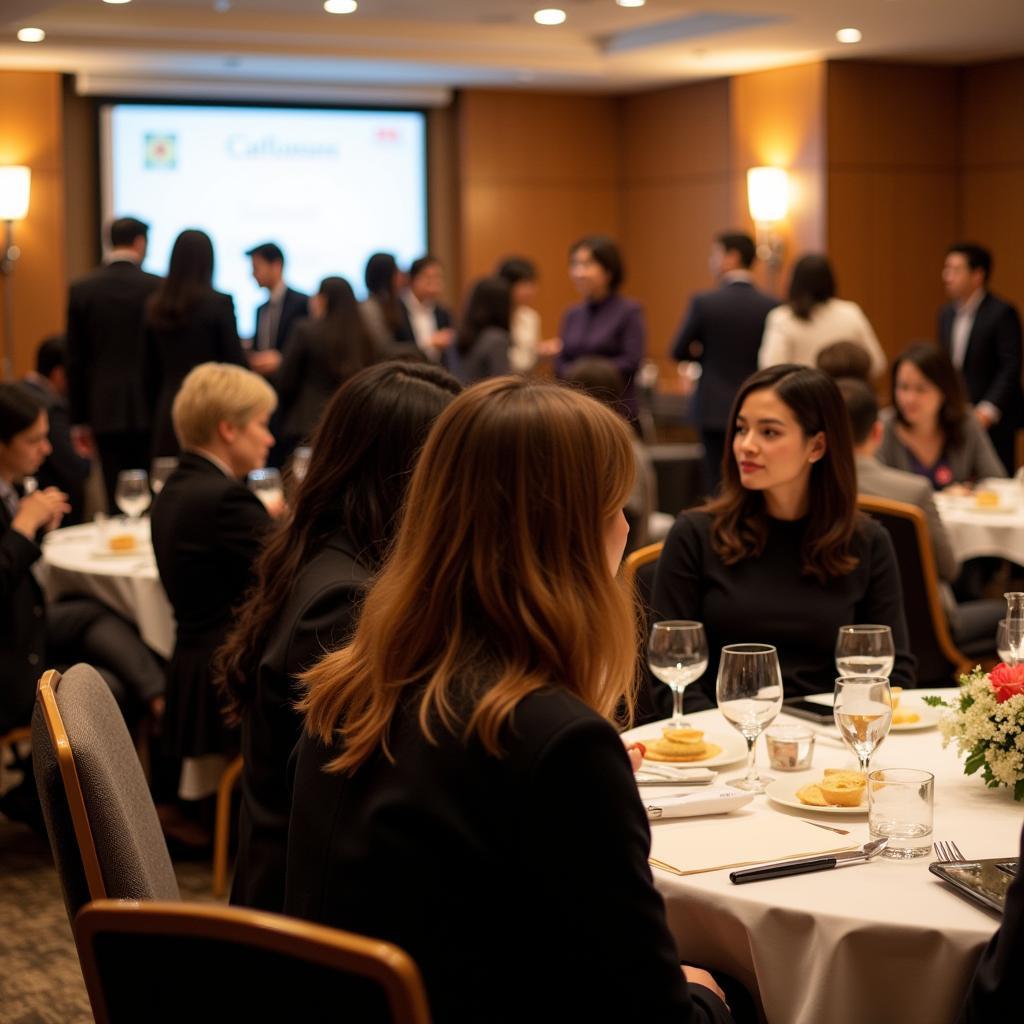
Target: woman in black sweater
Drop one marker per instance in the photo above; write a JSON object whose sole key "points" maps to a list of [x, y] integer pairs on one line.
{"points": [[782, 556]]}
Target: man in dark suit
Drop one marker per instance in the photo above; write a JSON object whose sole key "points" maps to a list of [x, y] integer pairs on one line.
{"points": [[426, 324], [276, 318], [105, 315], [982, 335], [722, 331]]}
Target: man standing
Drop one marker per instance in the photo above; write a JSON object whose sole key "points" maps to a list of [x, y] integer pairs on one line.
{"points": [[982, 335], [722, 331], [428, 324], [105, 316], [278, 315]]}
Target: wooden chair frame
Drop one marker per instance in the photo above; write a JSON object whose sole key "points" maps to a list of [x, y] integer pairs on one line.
{"points": [[390, 967], [222, 826], [642, 556]]}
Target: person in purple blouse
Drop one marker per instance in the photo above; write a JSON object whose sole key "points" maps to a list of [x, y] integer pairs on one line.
{"points": [[604, 324]]}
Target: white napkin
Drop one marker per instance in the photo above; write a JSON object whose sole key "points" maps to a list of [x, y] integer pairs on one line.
{"points": [[709, 800]]}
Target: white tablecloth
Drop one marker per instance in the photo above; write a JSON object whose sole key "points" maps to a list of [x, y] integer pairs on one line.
{"points": [[73, 563], [880, 942], [980, 534]]}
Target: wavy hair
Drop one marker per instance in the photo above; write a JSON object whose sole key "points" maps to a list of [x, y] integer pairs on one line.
{"points": [[500, 566]]}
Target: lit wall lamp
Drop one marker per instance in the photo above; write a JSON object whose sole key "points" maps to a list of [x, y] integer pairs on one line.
{"points": [[768, 199], [15, 185]]}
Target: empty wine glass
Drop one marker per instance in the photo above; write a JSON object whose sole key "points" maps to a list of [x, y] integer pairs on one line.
{"points": [[160, 469], [1014, 627], [749, 693], [678, 655], [266, 485], [865, 651], [131, 495], [863, 714], [300, 463]]}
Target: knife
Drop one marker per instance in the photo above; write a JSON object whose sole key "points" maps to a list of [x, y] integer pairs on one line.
{"points": [[779, 869]]}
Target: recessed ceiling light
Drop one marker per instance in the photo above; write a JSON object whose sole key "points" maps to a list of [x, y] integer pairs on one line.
{"points": [[849, 35], [340, 6], [117, 1], [31, 35], [549, 16], [631, 3]]}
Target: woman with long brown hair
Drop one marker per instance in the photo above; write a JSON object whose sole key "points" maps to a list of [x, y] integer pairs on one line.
{"points": [[782, 556], [310, 579], [459, 789]]}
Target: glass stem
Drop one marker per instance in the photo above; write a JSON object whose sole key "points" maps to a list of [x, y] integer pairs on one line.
{"points": [[677, 705], [751, 770]]}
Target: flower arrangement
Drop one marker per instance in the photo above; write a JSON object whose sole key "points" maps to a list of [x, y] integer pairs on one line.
{"points": [[987, 724]]}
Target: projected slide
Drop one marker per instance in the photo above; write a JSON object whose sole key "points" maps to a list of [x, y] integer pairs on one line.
{"points": [[330, 186]]}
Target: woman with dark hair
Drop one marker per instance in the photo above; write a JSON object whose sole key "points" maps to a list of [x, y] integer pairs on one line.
{"points": [[781, 555], [187, 323], [310, 579], [521, 275], [437, 801], [604, 323], [322, 353], [814, 318], [930, 430], [381, 310], [482, 342]]}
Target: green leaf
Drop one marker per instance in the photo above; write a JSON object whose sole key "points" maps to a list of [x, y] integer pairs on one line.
{"points": [[935, 702]]}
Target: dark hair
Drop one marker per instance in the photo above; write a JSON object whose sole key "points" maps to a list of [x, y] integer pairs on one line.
{"points": [[489, 305], [977, 256], [861, 406], [189, 278], [342, 325], [598, 377], [123, 231], [844, 359], [418, 266], [52, 353], [739, 527], [740, 243], [812, 283], [515, 269], [18, 410], [935, 364], [379, 276], [269, 251], [606, 254], [364, 450]]}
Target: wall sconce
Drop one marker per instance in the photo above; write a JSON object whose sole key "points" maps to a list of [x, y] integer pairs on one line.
{"points": [[768, 200], [15, 186]]}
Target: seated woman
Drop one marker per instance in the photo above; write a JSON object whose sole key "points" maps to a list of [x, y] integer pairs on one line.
{"points": [[437, 799], [782, 556], [310, 580], [482, 342], [207, 530], [931, 430]]}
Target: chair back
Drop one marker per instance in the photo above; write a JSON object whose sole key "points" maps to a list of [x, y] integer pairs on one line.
{"points": [[653, 700], [102, 825], [169, 962], [939, 661]]}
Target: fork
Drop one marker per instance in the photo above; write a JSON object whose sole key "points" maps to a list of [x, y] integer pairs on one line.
{"points": [[948, 852]]}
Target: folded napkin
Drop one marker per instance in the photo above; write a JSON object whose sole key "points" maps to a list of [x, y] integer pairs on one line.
{"points": [[747, 837], [709, 800]]}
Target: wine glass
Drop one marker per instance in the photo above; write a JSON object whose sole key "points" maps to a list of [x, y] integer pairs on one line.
{"points": [[1014, 627], [266, 485], [865, 651], [749, 696], [131, 495], [160, 469], [863, 714], [300, 463], [678, 655]]}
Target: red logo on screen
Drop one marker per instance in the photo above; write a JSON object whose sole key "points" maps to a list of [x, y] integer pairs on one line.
{"points": [[386, 135]]}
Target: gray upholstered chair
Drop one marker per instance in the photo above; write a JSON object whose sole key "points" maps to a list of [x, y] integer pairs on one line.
{"points": [[104, 832]]}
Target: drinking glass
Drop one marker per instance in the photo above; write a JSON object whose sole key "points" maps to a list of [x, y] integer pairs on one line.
{"points": [[678, 655], [863, 714], [160, 469], [749, 692], [865, 651], [1014, 627], [266, 485], [131, 495], [900, 806], [300, 463], [1003, 643]]}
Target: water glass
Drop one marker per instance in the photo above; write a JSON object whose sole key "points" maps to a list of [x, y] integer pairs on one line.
{"points": [[300, 463], [865, 651], [678, 655], [160, 469], [1014, 627], [131, 494], [790, 747], [1003, 643], [862, 709], [900, 806], [266, 485]]}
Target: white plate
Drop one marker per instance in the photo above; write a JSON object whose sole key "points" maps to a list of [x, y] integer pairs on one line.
{"points": [[783, 791], [734, 748], [929, 717]]}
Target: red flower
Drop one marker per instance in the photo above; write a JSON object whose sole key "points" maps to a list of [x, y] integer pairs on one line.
{"points": [[1007, 682]]}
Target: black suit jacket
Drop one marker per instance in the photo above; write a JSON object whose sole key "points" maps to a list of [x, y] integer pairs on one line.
{"points": [[105, 315], [294, 307], [208, 335], [319, 615], [728, 322], [405, 336]]}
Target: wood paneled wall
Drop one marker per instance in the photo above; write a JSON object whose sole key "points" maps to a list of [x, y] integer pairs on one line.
{"points": [[31, 133]]}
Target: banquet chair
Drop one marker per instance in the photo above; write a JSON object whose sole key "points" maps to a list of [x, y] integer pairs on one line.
{"points": [[222, 826], [638, 573], [939, 661], [100, 819], [231, 963]]}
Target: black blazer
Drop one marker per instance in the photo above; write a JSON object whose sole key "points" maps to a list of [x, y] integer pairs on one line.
{"points": [[22, 625], [519, 885], [208, 335], [105, 315], [294, 307], [319, 615], [405, 336], [728, 323]]}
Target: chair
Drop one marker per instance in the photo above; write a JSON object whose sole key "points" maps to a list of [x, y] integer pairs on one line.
{"points": [[222, 826], [103, 829], [168, 962], [652, 701], [939, 661]]}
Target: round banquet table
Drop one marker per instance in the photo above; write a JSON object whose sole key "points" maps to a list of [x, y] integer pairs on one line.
{"points": [[977, 533], [74, 562], [883, 942]]}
